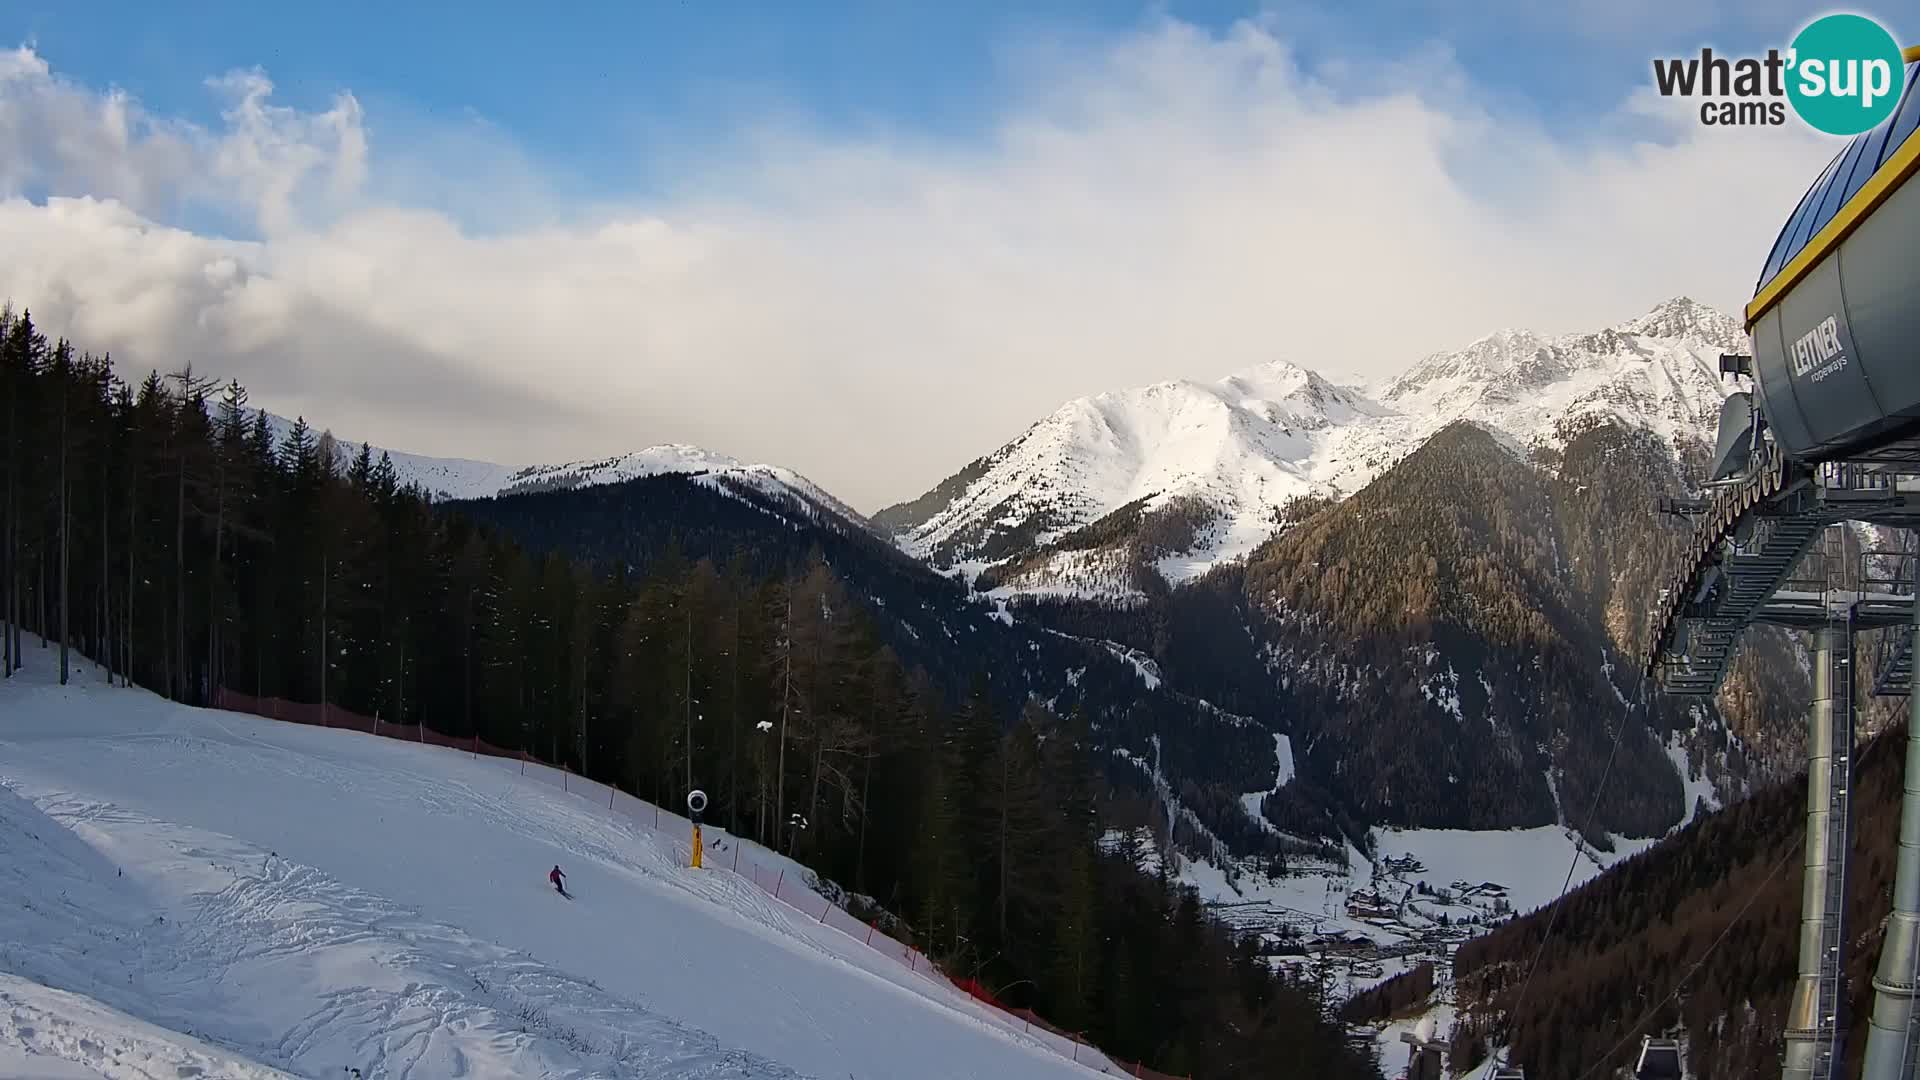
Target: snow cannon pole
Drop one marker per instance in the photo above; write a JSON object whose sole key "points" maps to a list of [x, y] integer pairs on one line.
{"points": [[696, 804]]}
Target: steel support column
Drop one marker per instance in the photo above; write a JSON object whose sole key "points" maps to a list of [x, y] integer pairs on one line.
{"points": [[1892, 1035], [1816, 1021]]}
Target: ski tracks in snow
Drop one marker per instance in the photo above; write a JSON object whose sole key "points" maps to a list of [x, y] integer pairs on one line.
{"points": [[40, 1027], [279, 962], [585, 831], [655, 971]]}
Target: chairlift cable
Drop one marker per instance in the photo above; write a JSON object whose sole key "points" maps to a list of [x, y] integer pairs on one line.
{"points": [[1681, 983], [1553, 917]]}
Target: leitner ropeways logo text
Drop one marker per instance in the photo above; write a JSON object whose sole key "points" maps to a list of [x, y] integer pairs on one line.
{"points": [[1819, 352], [1843, 75]]}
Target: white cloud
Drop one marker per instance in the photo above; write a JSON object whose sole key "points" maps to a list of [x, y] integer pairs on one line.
{"points": [[874, 311], [269, 152], [70, 139]]}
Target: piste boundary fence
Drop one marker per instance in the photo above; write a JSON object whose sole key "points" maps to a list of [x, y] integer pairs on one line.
{"points": [[676, 831]]}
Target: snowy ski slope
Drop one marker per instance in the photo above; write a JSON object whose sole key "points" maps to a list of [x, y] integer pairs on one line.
{"points": [[208, 891]]}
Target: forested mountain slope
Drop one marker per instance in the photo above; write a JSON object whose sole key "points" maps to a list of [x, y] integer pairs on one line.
{"points": [[1450, 646], [1448, 633], [1444, 655], [1722, 894], [1208, 757], [161, 529]]}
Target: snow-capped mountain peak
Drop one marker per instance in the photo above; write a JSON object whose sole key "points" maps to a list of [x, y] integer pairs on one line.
{"points": [[1282, 389], [1658, 371], [651, 461], [772, 481], [1238, 445], [1504, 358], [457, 478], [1685, 318], [1245, 445]]}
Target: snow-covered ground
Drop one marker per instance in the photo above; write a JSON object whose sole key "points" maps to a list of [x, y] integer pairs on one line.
{"points": [[1528, 865], [1531, 864], [48, 1034], [218, 893], [441, 478], [1327, 909], [1359, 924], [1698, 788], [1395, 1053], [1283, 773]]}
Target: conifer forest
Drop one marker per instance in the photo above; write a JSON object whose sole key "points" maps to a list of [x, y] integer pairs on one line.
{"points": [[162, 529]]}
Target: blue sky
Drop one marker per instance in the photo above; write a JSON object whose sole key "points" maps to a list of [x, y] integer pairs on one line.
{"points": [[603, 93], [551, 233]]}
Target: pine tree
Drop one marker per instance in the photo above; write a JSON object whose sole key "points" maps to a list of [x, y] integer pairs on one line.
{"points": [[22, 356], [385, 479], [61, 372], [360, 475]]}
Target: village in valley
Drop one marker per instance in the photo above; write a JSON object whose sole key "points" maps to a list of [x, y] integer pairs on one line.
{"points": [[1371, 923], [1348, 926]]}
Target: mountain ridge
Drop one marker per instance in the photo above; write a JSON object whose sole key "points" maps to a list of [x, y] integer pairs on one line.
{"points": [[464, 479], [1242, 446], [1253, 453], [1251, 442]]}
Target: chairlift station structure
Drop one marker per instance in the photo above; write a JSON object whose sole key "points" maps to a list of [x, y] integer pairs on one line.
{"points": [[1828, 434]]}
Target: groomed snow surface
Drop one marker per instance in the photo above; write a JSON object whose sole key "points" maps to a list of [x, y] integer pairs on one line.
{"points": [[197, 893]]}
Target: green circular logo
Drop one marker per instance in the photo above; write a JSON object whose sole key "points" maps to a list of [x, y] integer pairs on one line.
{"points": [[1845, 74]]}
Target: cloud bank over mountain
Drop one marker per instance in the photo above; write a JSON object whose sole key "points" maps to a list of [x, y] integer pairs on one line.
{"points": [[1174, 203]]}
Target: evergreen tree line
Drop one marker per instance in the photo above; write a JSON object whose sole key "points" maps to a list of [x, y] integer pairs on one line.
{"points": [[1439, 600], [1697, 937], [1439, 640], [166, 533], [1407, 994], [933, 626], [1426, 648]]}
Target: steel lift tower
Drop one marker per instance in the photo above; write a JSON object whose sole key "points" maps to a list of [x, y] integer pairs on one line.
{"points": [[1828, 434]]}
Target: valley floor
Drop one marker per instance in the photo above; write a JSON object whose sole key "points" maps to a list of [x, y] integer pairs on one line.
{"points": [[1357, 925], [207, 894]]}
